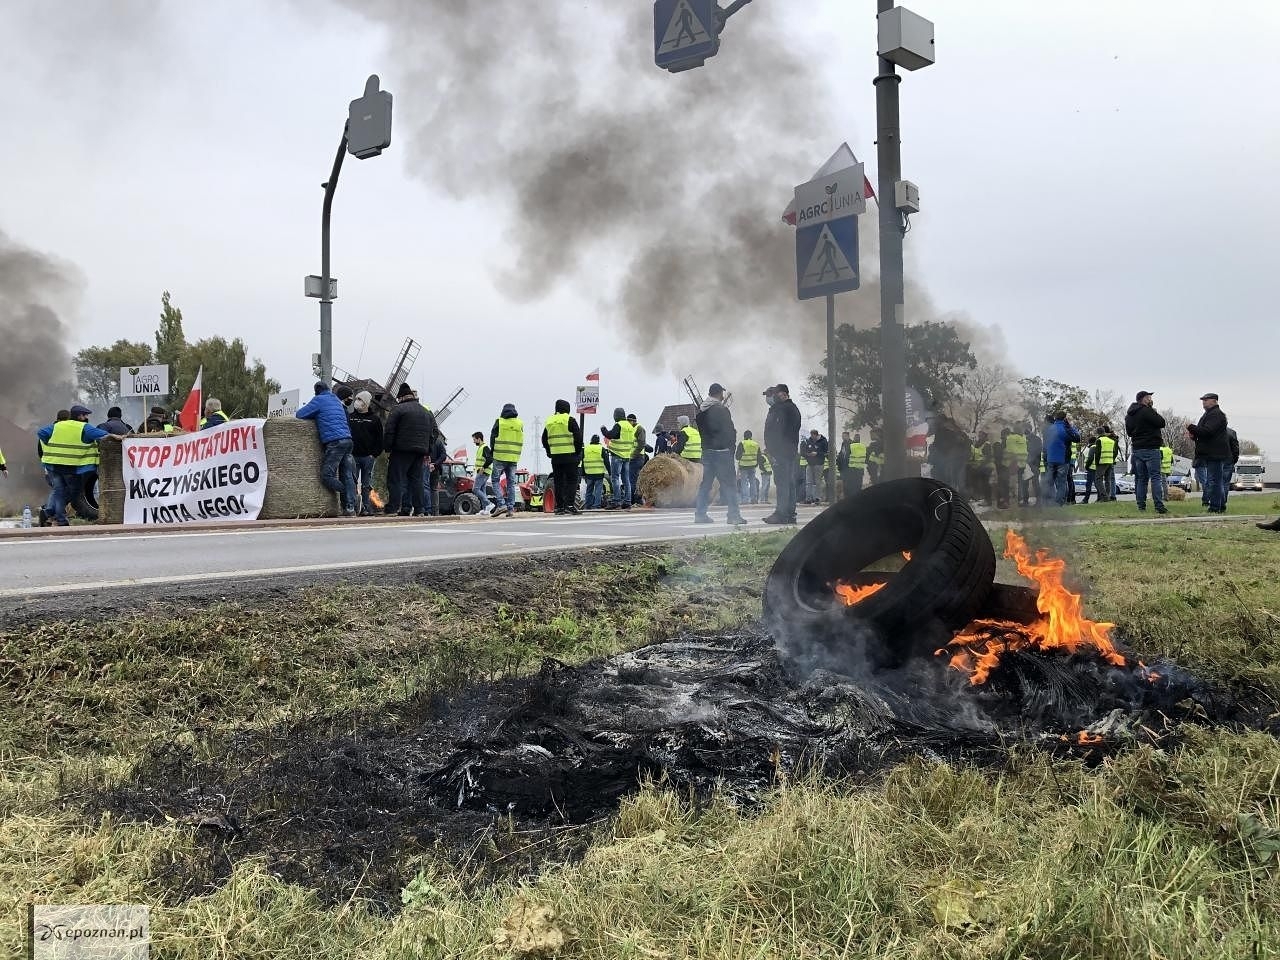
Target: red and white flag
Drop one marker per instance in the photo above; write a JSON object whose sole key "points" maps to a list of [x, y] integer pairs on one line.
{"points": [[460, 454], [594, 375], [843, 157], [189, 418]]}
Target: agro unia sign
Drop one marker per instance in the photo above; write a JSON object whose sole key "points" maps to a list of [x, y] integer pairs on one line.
{"points": [[213, 476]]}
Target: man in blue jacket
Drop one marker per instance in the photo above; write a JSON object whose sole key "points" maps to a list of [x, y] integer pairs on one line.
{"points": [[337, 471], [1058, 439]]}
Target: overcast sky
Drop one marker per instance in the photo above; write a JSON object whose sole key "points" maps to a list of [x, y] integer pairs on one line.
{"points": [[1095, 180]]}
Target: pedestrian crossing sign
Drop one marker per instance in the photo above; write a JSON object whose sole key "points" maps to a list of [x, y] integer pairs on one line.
{"points": [[685, 33], [827, 258]]}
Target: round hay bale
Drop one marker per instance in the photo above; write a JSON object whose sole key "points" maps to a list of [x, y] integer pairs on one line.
{"points": [[294, 456], [1175, 493], [669, 481]]}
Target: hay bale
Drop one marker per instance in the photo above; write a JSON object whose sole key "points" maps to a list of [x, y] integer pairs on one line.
{"points": [[669, 481], [1175, 493], [294, 456], [110, 482]]}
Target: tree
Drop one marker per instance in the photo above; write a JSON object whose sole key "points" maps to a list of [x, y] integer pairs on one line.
{"points": [[98, 369], [171, 344], [1249, 448], [937, 361], [242, 385], [1042, 397], [1175, 435], [984, 397]]}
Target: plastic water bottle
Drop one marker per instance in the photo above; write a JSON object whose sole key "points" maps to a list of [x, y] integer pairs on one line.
{"points": [[26, 518]]}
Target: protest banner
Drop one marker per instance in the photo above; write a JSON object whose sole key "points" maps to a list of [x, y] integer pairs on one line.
{"points": [[217, 475]]}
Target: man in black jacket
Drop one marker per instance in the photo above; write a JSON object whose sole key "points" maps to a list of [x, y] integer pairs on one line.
{"points": [[366, 445], [782, 443], [1213, 450], [1143, 425], [719, 439], [562, 439], [410, 435]]}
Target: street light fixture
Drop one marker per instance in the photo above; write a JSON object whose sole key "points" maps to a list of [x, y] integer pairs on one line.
{"points": [[366, 133]]}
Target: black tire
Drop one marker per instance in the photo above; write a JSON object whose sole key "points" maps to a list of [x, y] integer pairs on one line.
{"points": [[466, 504], [940, 589]]}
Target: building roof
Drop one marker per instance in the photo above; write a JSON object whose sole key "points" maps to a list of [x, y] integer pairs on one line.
{"points": [[669, 414]]}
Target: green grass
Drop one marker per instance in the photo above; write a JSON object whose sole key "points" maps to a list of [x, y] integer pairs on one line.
{"points": [[1153, 855], [1240, 505]]}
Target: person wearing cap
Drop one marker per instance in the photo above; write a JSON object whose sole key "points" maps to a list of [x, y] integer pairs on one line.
{"points": [[1213, 450], [69, 453], [1144, 424], [781, 444], [114, 423], [337, 468], [661, 440], [157, 421], [622, 445], [366, 446], [719, 437], [410, 435], [562, 440], [213, 415], [814, 451]]}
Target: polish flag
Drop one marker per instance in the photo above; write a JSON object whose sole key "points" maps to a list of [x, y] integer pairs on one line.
{"points": [[594, 375], [843, 157], [460, 454], [189, 418]]}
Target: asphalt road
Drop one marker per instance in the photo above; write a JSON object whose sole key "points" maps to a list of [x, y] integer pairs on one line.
{"points": [[46, 566]]}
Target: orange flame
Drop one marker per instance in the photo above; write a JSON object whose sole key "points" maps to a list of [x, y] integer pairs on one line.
{"points": [[851, 594], [1062, 626], [1084, 738]]}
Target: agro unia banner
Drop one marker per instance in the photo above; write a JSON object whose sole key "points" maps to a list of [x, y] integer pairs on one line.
{"points": [[213, 476]]}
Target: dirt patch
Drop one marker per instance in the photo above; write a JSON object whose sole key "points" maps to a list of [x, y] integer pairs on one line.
{"points": [[504, 777]]}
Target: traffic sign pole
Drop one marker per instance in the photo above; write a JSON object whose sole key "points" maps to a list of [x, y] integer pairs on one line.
{"points": [[893, 348], [831, 398]]}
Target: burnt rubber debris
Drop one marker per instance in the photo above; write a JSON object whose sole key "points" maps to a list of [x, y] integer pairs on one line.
{"points": [[838, 679]]}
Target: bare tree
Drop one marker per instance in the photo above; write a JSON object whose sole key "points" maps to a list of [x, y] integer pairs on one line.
{"points": [[1175, 434], [986, 395]]}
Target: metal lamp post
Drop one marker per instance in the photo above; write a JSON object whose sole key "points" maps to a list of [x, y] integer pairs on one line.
{"points": [[366, 133]]}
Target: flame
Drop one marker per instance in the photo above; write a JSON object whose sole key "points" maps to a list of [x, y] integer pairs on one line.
{"points": [[1062, 626], [851, 594], [1084, 738], [906, 554]]}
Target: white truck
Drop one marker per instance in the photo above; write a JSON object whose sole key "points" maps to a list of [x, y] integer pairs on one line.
{"points": [[1249, 472]]}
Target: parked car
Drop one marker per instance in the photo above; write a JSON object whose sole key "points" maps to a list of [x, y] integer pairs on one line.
{"points": [[1125, 483], [1183, 480]]}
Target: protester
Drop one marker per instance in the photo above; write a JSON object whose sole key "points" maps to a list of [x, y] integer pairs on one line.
{"points": [[366, 446], [719, 436], [814, 452], [410, 434], [766, 475], [622, 443], [213, 415], [1213, 450], [507, 441], [748, 458], [114, 424], [1144, 424], [484, 463], [593, 468], [157, 421], [687, 442], [562, 440], [661, 440], [781, 443], [639, 457], [69, 452], [337, 468], [1059, 437]]}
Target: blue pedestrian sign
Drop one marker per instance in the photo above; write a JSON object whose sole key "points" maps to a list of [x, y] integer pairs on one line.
{"points": [[827, 258], [685, 33]]}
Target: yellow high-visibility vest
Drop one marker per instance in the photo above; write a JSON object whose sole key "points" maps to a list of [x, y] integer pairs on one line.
{"points": [[1106, 451], [64, 448], [857, 456], [750, 454], [204, 420], [559, 439], [692, 443], [510, 440], [624, 447], [593, 460], [1166, 460], [1015, 446]]}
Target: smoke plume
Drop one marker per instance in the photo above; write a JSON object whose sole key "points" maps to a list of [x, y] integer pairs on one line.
{"points": [[659, 195], [35, 365]]}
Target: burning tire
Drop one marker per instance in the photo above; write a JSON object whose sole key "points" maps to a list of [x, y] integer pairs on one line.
{"points": [[940, 589]]}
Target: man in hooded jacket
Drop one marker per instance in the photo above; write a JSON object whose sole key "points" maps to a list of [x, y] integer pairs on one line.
{"points": [[1144, 424], [719, 439], [507, 442], [366, 445]]}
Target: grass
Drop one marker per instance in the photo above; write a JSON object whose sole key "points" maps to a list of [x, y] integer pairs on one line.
{"points": [[1241, 505], [1154, 854]]}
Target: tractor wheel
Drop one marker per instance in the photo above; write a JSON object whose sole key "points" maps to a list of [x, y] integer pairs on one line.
{"points": [[466, 504], [940, 589]]}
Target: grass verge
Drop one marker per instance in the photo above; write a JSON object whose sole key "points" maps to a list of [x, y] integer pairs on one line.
{"points": [[1152, 855]]}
